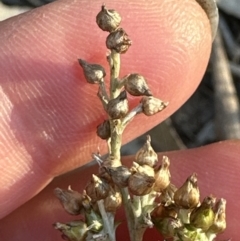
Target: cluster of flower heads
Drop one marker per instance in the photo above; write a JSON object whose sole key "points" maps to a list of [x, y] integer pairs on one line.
{"points": [[145, 188], [175, 212]]}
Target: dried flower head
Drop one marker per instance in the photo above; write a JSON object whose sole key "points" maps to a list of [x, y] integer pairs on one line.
{"points": [[97, 188], [73, 231], [140, 184], [152, 105], [118, 41], [136, 85], [167, 226], [163, 211], [219, 222], [94, 73], [108, 19], [103, 130], [162, 175], [118, 108], [71, 200], [146, 155], [113, 201], [188, 195], [119, 175], [167, 195], [148, 170]]}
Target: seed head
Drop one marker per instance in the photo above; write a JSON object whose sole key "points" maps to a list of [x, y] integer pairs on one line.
{"points": [[162, 175], [113, 201], [73, 231], [167, 195], [118, 41], [142, 169], [136, 85], [70, 200], [163, 211], [97, 189], [167, 226], [140, 184], [108, 19], [146, 155], [219, 223], [119, 175], [203, 216], [152, 105], [188, 195], [118, 108], [94, 73], [103, 130]]}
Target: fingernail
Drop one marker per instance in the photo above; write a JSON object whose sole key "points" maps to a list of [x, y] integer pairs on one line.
{"points": [[210, 8]]}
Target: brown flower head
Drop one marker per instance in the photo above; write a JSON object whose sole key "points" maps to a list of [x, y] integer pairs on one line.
{"points": [[118, 41], [136, 85], [108, 19], [70, 200]]}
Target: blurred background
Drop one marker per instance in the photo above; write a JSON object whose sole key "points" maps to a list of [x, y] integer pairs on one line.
{"points": [[212, 113]]}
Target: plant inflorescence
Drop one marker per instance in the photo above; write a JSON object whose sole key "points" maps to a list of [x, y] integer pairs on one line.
{"points": [[144, 189]]}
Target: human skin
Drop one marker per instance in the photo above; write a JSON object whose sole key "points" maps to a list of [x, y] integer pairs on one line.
{"points": [[49, 113]]}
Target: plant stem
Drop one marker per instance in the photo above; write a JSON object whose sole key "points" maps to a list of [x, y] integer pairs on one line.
{"points": [[116, 142], [109, 228], [131, 115], [128, 212], [114, 62]]}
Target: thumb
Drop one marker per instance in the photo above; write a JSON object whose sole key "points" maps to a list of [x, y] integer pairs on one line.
{"points": [[49, 112]]}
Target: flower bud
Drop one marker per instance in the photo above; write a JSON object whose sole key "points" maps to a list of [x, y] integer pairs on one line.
{"points": [[118, 108], [142, 169], [119, 175], [108, 19], [140, 184], [136, 85], [73, 231], [203, 216], [162, 175], [146, 155], [70, 200], [94, 73], [152, 105], [97, 189], [219, 223], [103, 130], [113, 201], [188, 195], [118, 41]]}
